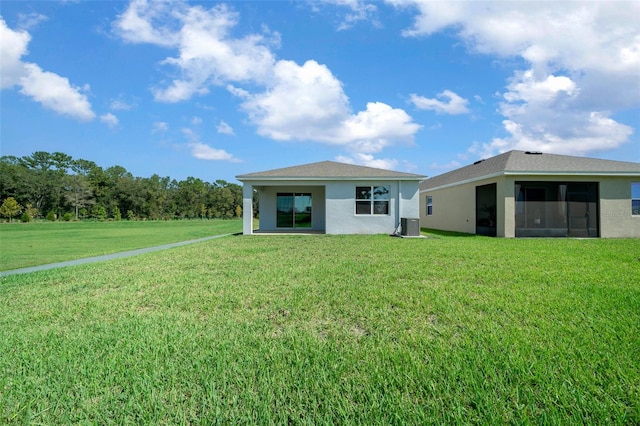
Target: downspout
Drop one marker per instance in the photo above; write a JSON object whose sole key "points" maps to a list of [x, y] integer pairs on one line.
{"points": [[399, 215]]}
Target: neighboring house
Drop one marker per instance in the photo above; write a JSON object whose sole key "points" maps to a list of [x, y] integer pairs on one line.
{"points": [[329, 197], [530, 194]]}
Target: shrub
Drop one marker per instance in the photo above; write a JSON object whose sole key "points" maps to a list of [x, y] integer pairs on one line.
{"points": [[99, 212], [25, 218], [51, 216], [31, 211], [67, 217], [10, 208]]}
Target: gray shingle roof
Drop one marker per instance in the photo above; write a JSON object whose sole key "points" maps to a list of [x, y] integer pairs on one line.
{"points": [[329, 170], [523, 163]]}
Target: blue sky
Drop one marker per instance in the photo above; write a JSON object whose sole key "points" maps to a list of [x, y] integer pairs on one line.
{"points": [[213, 90]]}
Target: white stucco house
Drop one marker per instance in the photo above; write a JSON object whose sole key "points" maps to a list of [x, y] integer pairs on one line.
{"points": [[330, 197], [532, 194]]}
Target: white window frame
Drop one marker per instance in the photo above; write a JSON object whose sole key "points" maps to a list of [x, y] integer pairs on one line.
{"points": [[372, 199], [429, 205]]}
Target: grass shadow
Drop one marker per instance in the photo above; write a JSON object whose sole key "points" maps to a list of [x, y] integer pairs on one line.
{"points": [[439, 233]]}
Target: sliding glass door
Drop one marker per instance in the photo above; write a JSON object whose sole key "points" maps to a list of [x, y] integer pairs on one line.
{"points": [[294, 210]]}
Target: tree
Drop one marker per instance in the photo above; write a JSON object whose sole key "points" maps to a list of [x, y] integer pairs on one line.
{"points": [[157, 197], [31, 211], [11, 177], [78, 192], [191, 193], [56, 183], [10, 208], [45, 180], [99, 212]]}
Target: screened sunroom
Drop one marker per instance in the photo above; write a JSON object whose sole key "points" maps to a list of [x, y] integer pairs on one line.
{"points": [[556, 209]]}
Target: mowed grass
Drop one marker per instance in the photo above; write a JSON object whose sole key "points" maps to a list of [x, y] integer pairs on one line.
{"points": [[29, 244], [330, 330]]}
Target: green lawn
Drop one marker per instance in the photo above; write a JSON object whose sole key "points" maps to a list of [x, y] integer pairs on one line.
{"points": [[29, 244], [330, 330]]}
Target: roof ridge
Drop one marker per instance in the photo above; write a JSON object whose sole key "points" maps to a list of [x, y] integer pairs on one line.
{"points": [[530, 162], [330, 169]]}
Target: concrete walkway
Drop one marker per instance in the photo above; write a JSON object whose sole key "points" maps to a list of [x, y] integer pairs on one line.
{"points": [[105, 257]]}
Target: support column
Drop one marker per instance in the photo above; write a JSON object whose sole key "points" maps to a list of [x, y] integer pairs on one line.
{"points": [[247, 209], [507, 205]]}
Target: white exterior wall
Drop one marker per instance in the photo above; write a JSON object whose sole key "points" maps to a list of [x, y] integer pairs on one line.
{"points": [[616, 220], [341, 214], [410, 199], [454, 208], [247, 209], [333, 205]]}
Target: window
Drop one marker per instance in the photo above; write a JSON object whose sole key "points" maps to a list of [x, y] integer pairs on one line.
{"points": [[293, 210], [635, 198], [372, 200], [429, 205]]}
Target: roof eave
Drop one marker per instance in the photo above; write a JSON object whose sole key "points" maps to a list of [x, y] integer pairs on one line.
{"points": [[331, 178], [531, 173], [572, 173]]}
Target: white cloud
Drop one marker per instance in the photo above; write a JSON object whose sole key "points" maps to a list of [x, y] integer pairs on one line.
{"points": [[546, 116], [307, 103], [109, 119], [526, 88], [302, 103], [207, 54], [369, 161], [121, 105], [285, 100], [597, 132], [27, 21], [446, 167], [196, 121], [225, 129], [451, 103], [377, 127], [582, 66], [205, 152], [55, 92], [359, 10], [13, 45], [577, 35], [49, 89], [143, 20], [159, 127]]}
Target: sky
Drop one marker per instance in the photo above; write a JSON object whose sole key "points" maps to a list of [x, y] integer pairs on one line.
{"points": [[212, 90]]}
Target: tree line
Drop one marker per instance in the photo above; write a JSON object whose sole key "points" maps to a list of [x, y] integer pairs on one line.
{"points": [[56, 186]]}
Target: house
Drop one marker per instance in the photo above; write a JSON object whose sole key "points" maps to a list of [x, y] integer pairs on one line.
{"points": [[330, 197], [531, 194]]}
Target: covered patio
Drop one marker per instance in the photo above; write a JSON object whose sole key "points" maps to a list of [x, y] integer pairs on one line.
{"points": [[329, 197]]}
